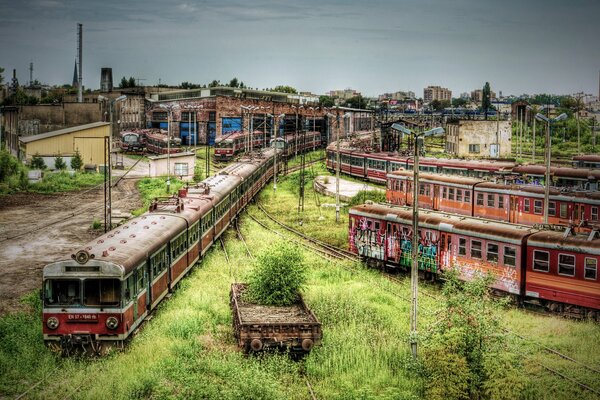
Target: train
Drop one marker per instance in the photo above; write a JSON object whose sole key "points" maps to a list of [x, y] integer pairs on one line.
{"points": [[522, 204], [96, 299], [237, 142], [376, 166], [554, 270], [158, 143], [227, 147]]}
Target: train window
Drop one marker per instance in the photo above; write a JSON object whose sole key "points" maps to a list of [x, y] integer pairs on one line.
{"points": [[594, 214], [459, 195], [566, 264], [451, 194], [500, 201], [130, 287], [563, 210], [462, 246], [444, 196], [527, 205], [467, 196], [479, 199], [422, 188], [492, 252], [552, 208], [591, 268], [491, 201], [537, 206], [101, 292], [62, 292], [476, 249], [141, 277], [510, 256], [377, 225], [540, 261]]}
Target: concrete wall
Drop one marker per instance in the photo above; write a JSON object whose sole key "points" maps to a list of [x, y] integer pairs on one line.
{"points": [[159, 166], [89, 142], [51, 117], [474, 132]]}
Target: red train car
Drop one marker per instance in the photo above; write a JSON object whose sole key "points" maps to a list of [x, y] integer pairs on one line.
{"points": [[510, 203], [236, 143], [157, 143], [556, 270]]}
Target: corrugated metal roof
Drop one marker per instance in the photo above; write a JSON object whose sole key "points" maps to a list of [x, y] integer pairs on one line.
{"points": [[33, 138]]}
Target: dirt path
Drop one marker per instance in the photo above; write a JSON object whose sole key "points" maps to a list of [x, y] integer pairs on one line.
{"points": [[37, 229]]}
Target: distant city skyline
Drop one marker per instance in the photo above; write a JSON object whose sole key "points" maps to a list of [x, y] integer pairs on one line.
{"points": [[374, 47]]}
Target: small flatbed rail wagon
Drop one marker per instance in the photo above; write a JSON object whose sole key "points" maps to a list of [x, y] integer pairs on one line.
{"points": [[257, 327]]}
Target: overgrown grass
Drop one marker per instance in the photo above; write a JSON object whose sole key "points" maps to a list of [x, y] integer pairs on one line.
{"points": [[65, 182], [188, 351], [151, 188]]}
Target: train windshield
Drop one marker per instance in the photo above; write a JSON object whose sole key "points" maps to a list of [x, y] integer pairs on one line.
{"points": [[130, 138], [101, 292], [62, 292]]}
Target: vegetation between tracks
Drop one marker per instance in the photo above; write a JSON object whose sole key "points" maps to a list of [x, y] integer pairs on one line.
{"points": [[187, 349]]}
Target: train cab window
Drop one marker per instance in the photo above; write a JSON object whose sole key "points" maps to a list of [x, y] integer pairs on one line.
{"points": [[537, 206], [62, 292], [492, 252], [510, 256], [459, 195], [476, 249], [500, 201], [591, 268], [541, 261], [451, 194], [491, 200], [527, 206], [552, 208], [563, 210], [479, 199], [101, 292], [467, 196], [566, 264], [462, 246], [594, 214]]}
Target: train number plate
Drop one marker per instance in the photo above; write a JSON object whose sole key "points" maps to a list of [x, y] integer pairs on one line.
{"points": [[82, 318]]}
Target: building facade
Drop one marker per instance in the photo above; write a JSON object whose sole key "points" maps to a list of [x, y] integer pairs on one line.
{"points": [[180, 165], [477, 95], [431, 93], [478, 139]]}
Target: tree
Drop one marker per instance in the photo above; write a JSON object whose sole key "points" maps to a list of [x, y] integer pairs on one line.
{"points": [[76, 161], [486, 99], [284, 89], [234, 83], [124, 83], [1, 77], [459, 102], [131, 82], [214, 83], [37, 162], [326, 101], [59, 163], [356, 102], [439, 105]]}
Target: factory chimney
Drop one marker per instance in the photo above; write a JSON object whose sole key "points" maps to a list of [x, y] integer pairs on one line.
{"points": [[80, 54], [106, 81]]}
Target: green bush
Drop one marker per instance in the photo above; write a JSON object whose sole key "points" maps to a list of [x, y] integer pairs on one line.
{"points": [[96, 224], [76, 161], [37, 162], [59, 163], [376, 196], [278, 276]]}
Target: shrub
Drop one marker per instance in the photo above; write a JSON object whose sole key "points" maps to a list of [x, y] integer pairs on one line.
{"points": [[278, 276], [37, 162], [59, 163], [76, 161], [96, 224], [9, 165], [377, 196]]}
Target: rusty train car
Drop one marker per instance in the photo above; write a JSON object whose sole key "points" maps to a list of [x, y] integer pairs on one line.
{"points": [[376, 166], [521, 204], [99, 297], [237, 142], [554, 270]]}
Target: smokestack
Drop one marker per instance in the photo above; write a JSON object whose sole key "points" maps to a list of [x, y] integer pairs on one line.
{"points": [[80, 55], [106, 80]]}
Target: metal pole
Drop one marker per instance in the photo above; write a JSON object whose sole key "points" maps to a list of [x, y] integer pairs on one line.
{"points": [[169, 120], [547, 179], [275, 155], [337, 173], [533, 144], [414, 272], [105, 185]]}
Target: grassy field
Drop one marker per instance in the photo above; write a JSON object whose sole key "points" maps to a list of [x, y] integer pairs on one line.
{"points": [[187, 350]]}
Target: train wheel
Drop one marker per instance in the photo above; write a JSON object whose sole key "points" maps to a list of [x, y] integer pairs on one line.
{"points": [[307, 345], [256, 345]]}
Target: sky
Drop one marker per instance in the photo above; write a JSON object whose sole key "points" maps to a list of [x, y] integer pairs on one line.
{"points": [[373, 46]]}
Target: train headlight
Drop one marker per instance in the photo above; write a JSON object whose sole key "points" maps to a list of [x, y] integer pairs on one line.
{"points": [[112, 323], [52, 323]]}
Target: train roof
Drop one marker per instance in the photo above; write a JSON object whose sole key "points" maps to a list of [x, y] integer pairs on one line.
{"points": [[562, 172], [425, 177], [588, 243], [587, 157], [462, 225]]}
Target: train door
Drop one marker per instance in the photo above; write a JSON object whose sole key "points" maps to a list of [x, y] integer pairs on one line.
{"points": [[436, 197], [393, 242], [148, 280], [578, 213], [445, 250], [513, 209], [169, 267]]}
